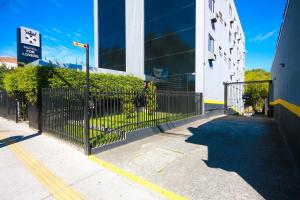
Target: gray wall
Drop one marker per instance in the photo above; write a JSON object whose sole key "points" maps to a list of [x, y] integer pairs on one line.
{"points": [[285, 75]]}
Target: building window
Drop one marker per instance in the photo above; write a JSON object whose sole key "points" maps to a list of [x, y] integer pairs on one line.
{"points": [[230, 36], [112, 49], [170, 37], [211, 44], [230, 10], [212, 5]]}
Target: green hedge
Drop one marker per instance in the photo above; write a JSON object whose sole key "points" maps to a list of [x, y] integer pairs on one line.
{"points": [[31, 79]]}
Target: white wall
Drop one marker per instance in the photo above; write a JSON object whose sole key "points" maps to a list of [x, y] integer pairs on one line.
{"points": [[220, 72], [286, 64], [200, 44], [135, 37]]}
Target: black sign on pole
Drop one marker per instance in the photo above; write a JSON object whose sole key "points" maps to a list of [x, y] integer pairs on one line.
{"points": [[29, 46]]}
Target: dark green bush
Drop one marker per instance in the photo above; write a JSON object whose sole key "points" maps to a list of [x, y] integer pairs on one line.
{"points": [[151, 98], [3, 71]]}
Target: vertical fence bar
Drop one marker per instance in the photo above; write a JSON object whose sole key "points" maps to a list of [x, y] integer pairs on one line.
{"points": [[225, 98], [86, 121]]}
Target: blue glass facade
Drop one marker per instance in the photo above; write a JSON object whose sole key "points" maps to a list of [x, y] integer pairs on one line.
{"points": [[112, 45], [169, 37]]}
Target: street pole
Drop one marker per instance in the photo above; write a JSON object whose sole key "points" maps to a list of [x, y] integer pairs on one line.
{"points": [[86, 104]]}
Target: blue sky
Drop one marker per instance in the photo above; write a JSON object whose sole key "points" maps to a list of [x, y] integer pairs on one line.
{"points": [[64, 21], [261, 21]]}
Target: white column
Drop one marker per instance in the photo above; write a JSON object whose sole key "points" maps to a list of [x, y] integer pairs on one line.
{"points": [[200, 45], [135, 37]]}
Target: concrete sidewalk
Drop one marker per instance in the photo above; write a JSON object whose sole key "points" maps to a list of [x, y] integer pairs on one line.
{"points": [[43, 167]]}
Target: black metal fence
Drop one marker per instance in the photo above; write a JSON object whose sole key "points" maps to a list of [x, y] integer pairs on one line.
{"points": [[14, 107], [112, 114], [62, 114], [8, 106], [115, 113]]}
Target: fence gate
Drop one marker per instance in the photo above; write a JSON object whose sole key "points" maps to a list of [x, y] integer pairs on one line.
{"points": [[247, 98]]}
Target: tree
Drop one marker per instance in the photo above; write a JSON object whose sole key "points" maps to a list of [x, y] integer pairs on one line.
{"points": [[257, 91], [3, 70]]}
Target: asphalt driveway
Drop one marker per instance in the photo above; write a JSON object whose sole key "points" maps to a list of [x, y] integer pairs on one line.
{"points": [[221, 158]]}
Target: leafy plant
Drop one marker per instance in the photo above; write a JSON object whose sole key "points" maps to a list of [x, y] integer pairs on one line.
{"points": [[151, 98], [258, 91], [31, 79], [3, 71]]}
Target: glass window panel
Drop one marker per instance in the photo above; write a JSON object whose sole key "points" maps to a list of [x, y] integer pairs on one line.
{"points": [[181, 63], [170, 36], [112, 45]]}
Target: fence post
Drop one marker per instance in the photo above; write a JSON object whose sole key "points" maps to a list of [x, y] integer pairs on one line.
{"points": [[137, 107], [270, 111], [201, 103], [87, 146], [225, 98], [39, 111], [187, 106]]}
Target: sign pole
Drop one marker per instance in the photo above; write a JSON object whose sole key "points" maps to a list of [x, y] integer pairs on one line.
{"points": [[86, 104], [86, 93]]}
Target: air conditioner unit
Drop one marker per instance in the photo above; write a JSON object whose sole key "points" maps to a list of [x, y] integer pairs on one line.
{"points": [[212, 56]]}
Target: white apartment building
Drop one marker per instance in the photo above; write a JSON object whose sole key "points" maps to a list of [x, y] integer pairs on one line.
{"points": [[167, 38]]}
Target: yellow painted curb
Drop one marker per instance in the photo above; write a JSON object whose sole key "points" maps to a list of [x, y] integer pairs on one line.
{"points": [[214, 102], [291, 107], [52, 183], [163, 192]]}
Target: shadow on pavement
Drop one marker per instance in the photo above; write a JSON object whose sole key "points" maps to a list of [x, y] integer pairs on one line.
{"points": [[253, 148], [16, 139]]}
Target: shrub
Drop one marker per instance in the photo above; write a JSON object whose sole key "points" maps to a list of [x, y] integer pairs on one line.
{"points": [[151, 98], [31, 79], [258, 94], [3, 71]]}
